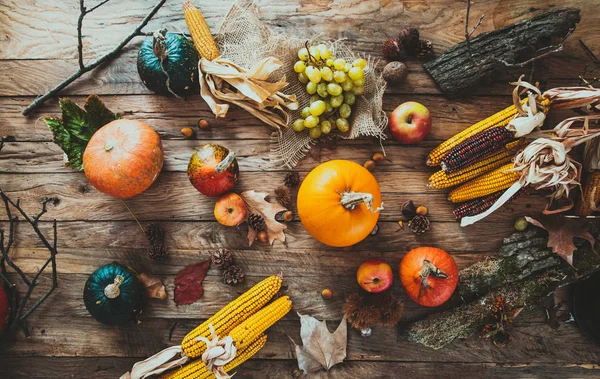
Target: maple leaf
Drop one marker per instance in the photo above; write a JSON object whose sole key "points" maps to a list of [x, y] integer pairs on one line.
{"points": [[155, 289], [188, 283], [256, 203], [561, 232], [320, 349]]}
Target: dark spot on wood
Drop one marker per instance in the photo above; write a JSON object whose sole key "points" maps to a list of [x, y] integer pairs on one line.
{"points": [[43, 332], [540, 340], [83, 188], [270, 355], [527, 206], [9, 139], [533, 9], [51, 200]]}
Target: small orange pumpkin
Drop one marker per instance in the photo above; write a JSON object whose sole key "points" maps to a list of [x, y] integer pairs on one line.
{"points": [[429, 275], [123, 158], [213, 169], [339, 203]]}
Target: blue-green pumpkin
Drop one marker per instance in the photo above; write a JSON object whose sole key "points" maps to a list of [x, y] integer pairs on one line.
{"points": [[114, 294], [168, 64]]}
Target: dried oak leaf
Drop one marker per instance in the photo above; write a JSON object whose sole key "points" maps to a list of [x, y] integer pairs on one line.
{"points": [[561, 232], [188, 283], [257, 204], [155, 289], [320, 349]]}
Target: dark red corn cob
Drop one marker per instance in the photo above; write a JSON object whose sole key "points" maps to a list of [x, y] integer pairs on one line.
{"points": [[478, 206], [476, 148]]}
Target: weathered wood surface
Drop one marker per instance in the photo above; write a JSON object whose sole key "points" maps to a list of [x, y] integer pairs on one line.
{"points": [[38, 48]]}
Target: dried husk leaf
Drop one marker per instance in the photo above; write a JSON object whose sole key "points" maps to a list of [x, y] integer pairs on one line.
{"points": [[572, 97], [155, 289]]}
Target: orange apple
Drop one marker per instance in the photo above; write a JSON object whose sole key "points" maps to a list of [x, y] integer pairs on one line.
{"points": [[374, 276], [230, 209], [410, 122]]}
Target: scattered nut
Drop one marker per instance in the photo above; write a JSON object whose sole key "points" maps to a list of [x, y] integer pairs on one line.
{"points": [[401, 225], [378, 157], [187, 132], [326, 294], [521, 224], [203, 124], [409, 210], [422, 210], [369, 165], [262, 236], [395, 72], [288, 216]]}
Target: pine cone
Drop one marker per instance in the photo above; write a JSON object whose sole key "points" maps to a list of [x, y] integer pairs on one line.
{"points": [[292, 179], [222, 258], [233, 275], [419, 224], [256, 222], [154, 233], [157, 252], [283, 196], [391, 49], [409, 37], [425, 49]]}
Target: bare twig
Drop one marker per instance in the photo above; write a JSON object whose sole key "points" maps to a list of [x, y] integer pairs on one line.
{"points": [[546, 51], [590, 53], [467, 33], [86, 68]]}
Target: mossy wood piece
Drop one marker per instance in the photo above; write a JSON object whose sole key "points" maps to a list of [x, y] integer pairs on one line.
{"points": [[525, 272], [463, 66]]}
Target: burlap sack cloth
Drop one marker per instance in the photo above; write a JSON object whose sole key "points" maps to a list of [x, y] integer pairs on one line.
{"points": [[245, 40]]}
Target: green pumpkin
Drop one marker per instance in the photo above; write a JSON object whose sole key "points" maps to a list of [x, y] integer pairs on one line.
{"points": [[168, 56], [113, 294]]}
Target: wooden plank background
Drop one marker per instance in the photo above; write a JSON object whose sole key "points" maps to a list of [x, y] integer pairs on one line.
{"points": [[38, 49]]}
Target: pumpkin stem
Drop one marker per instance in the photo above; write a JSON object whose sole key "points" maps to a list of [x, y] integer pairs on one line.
{"points": [[159, 45], [113, 290], [134, 217], [351, 199], [430, 269], [221, 167]]}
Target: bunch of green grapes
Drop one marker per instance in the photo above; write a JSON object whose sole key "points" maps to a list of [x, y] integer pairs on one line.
{"points": [[333, 85]]}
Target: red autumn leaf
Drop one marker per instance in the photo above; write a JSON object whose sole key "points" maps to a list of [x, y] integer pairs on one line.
{"points": [[188, 283], [561, 232]]}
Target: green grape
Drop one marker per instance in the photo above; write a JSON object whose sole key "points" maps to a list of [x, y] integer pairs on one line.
{"points": [[305, 112], [299, 66], [314, 52], [315, 133], [303, 54], [313, 74], [311, 121], [326, 74], [324, 51], [345, 110], [322, 89], [318, 108], [356, 73], [342, 125], [329, 107], [358, 90], [347, 67], [325, 127], [334, 89], [311, 88], [329, 62], [359, 82], [302, 78], [314, 98], [339, 76], [339, 64], [349, 98], [347, 85], [298, 125], [336, 101], [361, 63]]}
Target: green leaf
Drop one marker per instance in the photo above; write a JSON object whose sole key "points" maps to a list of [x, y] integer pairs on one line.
{"points": [[77, 126]]}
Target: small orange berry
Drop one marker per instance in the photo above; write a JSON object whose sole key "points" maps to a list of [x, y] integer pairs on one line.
{"points": [[202, 123], [262, 236], [288, 216], [187, 132], [378, 157], [326, 294], [401, 224], [369, 165], [422, 210]]}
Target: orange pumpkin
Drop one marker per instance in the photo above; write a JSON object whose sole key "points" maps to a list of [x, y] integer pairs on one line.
{"points": [[339, 203], [429, 275], [123, 158], [213, 169]]}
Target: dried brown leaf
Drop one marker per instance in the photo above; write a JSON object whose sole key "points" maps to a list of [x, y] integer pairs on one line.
{"points": [[257, 204], [155, 289]]}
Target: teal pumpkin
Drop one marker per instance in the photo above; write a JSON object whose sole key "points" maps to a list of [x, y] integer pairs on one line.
{"points": [[168, 57], [114, 294]]}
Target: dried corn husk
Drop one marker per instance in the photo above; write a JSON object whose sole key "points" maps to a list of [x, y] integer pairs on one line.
{"points": [[531, 114], [573, 97]]}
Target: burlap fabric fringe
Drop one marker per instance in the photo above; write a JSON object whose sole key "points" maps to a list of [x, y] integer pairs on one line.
{"points": [[244, 41]]}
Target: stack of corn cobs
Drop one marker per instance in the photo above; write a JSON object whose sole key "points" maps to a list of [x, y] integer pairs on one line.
{"points": [[224, 341], [479, 161]]}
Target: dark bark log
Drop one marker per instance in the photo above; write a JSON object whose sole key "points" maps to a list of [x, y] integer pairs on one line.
{"points": [[465, 65]]}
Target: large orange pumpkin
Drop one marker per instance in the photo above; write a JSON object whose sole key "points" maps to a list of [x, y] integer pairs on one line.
{"points": [[339, 203], [123, 158], [429, 275]]}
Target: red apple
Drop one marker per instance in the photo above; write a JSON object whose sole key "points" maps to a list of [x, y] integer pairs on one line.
{"points": [[374, 276], [410, 122], [230, 209]]}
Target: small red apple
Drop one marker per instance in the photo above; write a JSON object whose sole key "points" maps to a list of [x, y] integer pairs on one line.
{"points": [[410, 122], [230, 209], [374, 276]]}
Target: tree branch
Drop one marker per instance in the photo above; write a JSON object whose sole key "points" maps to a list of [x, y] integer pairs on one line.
{"points": [[86, 68], [549, 50], [467, 33]]}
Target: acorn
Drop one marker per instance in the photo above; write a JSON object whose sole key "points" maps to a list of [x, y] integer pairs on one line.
{"points": [[369, 165], [203, 124], [395, 72], [326, 294], [263, 237], [378, 157], [187, 132]]}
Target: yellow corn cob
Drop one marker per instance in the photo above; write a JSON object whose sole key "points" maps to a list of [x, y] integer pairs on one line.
{"points": [[197, 369], [494, 181], [256, 324], [501, 118], [590, 194], [203, 40], [441, 179], [232, 315]]}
